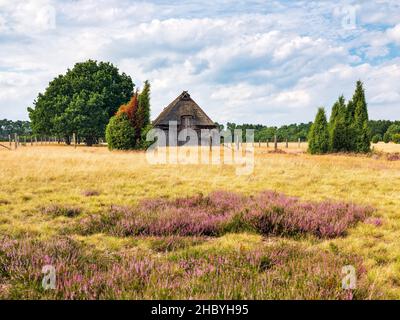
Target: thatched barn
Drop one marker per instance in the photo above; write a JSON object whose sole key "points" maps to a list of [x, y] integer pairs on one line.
{"points": [[187, 113]]}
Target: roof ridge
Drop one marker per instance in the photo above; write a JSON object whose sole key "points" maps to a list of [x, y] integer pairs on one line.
{"points": [[184, 96]]}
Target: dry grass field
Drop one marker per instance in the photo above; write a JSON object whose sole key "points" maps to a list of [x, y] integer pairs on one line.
{"points": [[47, 192]]}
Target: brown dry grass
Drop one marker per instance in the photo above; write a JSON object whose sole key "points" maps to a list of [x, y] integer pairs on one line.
{"points": [[32, 177]]}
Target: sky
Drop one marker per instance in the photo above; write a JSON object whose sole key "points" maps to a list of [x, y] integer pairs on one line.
{"points": [[268, 62]]}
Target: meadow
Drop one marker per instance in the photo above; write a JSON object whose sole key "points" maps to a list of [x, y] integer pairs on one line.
{"points": [[116, 227]]}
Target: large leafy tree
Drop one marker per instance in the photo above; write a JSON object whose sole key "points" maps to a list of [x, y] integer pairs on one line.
{"points": [[82, 101], [318, 140]]}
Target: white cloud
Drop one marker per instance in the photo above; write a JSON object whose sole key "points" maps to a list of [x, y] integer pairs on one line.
{"points": [[27, 17], [394, 34], [242, 61]]}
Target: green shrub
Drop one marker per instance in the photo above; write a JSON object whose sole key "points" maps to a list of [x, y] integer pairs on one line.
{"points": [[56, 210], [376, 138], [393, 129], [143, 143], [386, 137], [120, 134], [396, 138]]}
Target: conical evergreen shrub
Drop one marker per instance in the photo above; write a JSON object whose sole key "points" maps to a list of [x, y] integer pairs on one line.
{"points": [[318, 140]]}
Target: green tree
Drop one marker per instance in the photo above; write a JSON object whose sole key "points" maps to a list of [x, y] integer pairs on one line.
{"points": [[351, 135], [360, 105], [360, 124], [392, 130], [379, 126], [350, 112], [143, 111], [120, 134], [338, 110], [386, 138], [318, 140], [137, 112], [376, 138], [143, 143], [396, 138], [82, 101], [364, 139], [338, 127], [9, 127]]}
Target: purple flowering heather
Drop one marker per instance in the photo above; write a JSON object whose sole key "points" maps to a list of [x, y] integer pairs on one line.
{"points": [[283, 271], [267, 213]]}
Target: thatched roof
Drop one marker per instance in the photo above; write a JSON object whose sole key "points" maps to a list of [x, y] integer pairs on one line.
{"points": [[183, 105]]}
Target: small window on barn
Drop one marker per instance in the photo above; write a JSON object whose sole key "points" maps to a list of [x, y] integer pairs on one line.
{"points": [[186, 121]]}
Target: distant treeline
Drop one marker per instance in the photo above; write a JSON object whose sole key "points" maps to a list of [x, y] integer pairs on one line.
{"points": [[9, 127], [291, 132], [379, 128], [263, 133]]}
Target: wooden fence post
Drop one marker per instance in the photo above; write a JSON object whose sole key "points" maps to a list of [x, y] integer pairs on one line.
{"points": [[267, 143], [275, 142], [74, 138], [287, 143], [16, 140]]}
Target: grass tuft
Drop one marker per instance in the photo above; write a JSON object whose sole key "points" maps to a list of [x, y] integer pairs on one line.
{"points": [[90, 193], [56, 210]]}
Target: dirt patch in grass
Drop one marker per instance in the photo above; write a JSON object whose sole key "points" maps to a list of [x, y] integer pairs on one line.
{"points": [[90, 193], [4, 202]]}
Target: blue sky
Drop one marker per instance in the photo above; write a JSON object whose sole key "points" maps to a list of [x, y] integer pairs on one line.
{"points": [[270, 62]]}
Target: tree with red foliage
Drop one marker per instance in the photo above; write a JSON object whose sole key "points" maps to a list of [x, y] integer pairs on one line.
{"points": [[137, 112], [130, 109]]}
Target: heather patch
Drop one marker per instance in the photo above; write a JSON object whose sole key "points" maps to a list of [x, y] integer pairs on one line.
{"points": [[393, 156], [376, 221], [61, 210], [267, 213], [278, 271]]}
